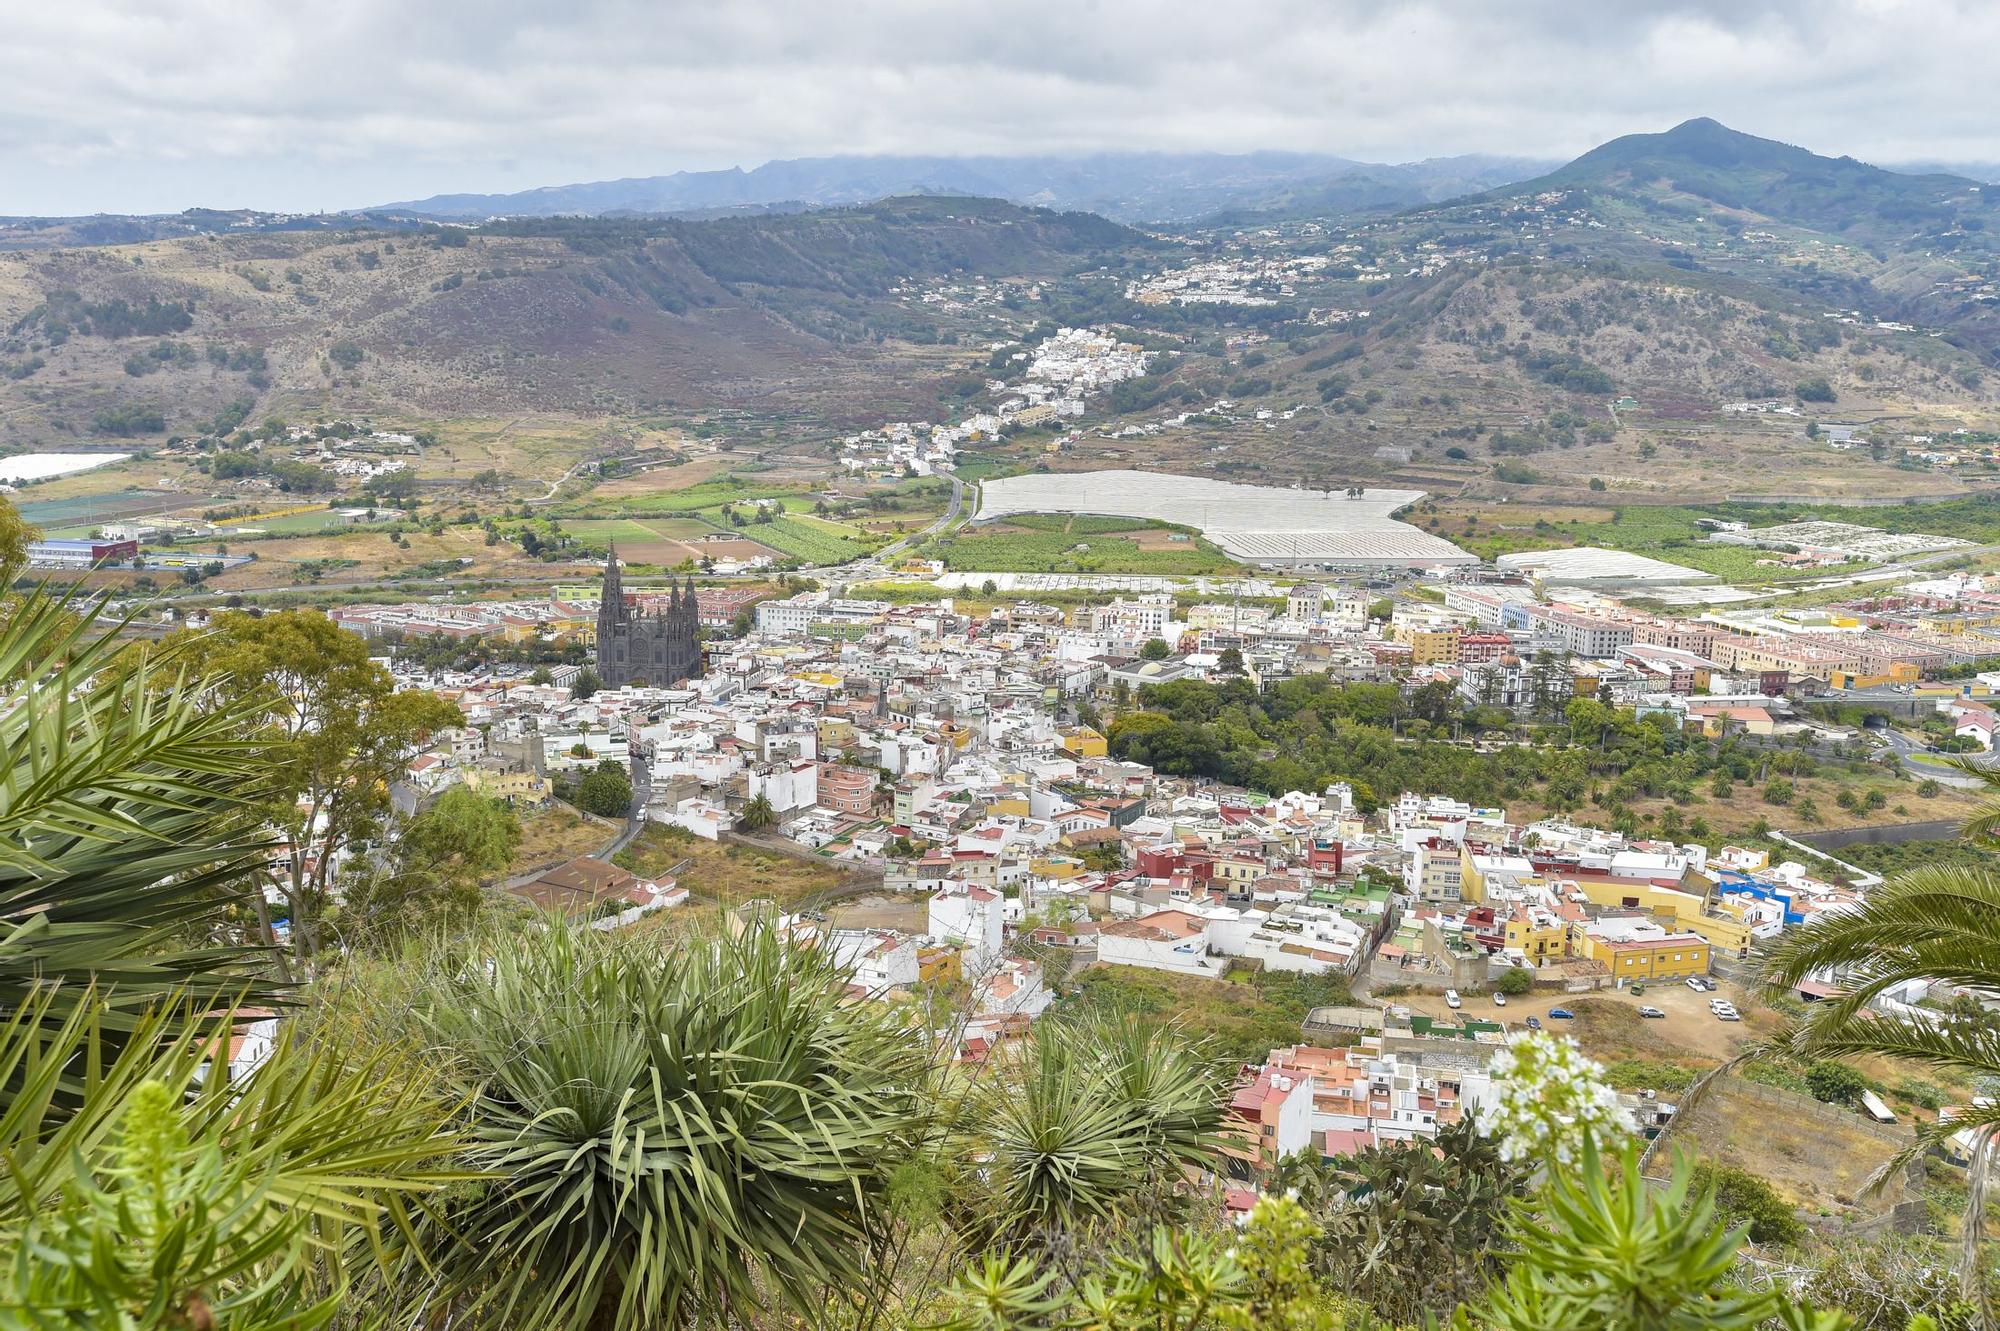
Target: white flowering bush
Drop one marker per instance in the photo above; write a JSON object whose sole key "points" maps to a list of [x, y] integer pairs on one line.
{"points": [[1548, 1097]]}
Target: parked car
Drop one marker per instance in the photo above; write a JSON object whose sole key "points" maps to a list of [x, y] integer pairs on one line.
{"points": [[1561, 1014], [1534, 1023], [1499, 999], [1728, 1014], [1452, 1000], [1651, 1012], [1701, 984]]}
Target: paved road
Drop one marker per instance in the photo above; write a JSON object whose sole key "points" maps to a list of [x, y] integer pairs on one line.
{"points": [[1908, 753], [951, 512]]}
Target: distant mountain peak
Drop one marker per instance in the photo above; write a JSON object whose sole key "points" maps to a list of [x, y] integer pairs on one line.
{"points": [[1747, 176]]}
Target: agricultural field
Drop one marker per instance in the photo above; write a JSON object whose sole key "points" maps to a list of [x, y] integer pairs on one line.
{"points": [[1675, 534], [709, 494], [292, 524], [51, 514], [810, 539], [981, 550], [649, 525], [667, 542], [349, 555]]}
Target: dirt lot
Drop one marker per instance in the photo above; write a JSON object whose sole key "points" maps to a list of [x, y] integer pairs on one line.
{"points": [[882, 910], [1608, 1025], [660, 480]]}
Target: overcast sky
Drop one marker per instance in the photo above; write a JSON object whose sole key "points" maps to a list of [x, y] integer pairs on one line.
{"points": [[143, 106]]}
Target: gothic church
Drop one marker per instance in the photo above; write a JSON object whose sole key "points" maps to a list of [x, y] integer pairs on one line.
{"points": [[662, 649]]}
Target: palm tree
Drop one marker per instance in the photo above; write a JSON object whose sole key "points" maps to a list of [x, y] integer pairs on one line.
{"points": [[128, 825], [666, 1137], [1938, 924]]}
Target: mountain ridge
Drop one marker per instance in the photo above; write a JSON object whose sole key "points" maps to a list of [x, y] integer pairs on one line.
{"points": [[1127, 187]]}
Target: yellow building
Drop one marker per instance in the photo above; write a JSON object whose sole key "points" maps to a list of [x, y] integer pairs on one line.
{"points": [[1538, 936], [1724, 928], [1059, 867], [939, 965], [1899, 672], [525, 787], [835, 732], [1434, 646], [1641, 955], [1234, 872], [1082, 742]]}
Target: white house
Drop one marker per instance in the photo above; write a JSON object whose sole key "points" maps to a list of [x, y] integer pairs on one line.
{"points": [[699, 816], [1015, 987], [1166, 940], [1975, 723], [787, 785], [879, 958], [974, 916]]}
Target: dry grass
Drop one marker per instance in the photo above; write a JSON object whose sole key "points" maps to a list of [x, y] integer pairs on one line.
{"points": [[374, 556], [1821, 1163], [728, 875], [558, 833]]}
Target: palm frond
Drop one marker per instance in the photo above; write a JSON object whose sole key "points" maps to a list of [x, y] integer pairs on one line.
{"points": [[128, 821]]}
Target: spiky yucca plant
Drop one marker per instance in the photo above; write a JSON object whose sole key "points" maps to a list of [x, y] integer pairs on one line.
{"points": [[671, 1133], [1101, 1112]]}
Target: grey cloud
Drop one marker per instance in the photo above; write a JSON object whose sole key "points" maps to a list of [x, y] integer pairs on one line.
{"points": [[130, 105]]}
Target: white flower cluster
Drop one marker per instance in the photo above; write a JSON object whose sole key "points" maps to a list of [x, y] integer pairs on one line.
{"points": [[1549, 1098]]}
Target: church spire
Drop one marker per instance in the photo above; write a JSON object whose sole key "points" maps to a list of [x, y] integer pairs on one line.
{"points": [[614, 584]]}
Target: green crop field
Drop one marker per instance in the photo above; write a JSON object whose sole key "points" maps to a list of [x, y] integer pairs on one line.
{"points": [[694, 499], [92, 509], [1083, 524], [679, 529], [599, 534], [815, 544], [845, 531], [1057, 552], [299, 524]]}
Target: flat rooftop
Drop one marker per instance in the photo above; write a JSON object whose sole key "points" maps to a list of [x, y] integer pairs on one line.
{"points": [[1590, 563], [1258, 524]]}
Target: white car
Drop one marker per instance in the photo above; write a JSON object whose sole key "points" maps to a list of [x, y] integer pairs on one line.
{"points": [[1452, 1000], [1728, 1014], [1499, 999]]}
